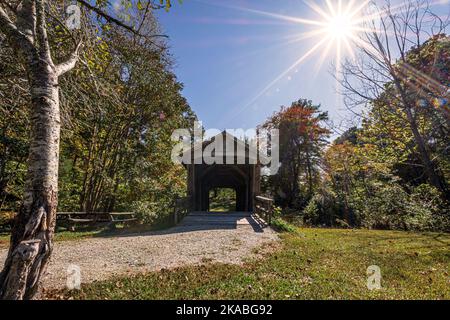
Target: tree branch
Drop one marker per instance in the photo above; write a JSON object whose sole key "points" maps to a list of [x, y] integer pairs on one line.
{"points": [[70, 63], [111, 19], [14, 35], [41, 32], [26, 18]]}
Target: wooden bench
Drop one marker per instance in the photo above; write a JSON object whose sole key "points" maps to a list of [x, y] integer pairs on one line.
{"points": [[127, 218], [110, 219]]}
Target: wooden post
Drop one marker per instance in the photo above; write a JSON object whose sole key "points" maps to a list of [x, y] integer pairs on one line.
{"points": [[175, 212], [270, 212]]}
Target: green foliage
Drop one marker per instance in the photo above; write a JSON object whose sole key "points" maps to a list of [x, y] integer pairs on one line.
{"points": [[146, 212], [378, 176], [432, 213], [282, 225], [14, 124], [389, 206], [359, 189], [323, 209], [6, 219], [277, 212], [302, 137]]}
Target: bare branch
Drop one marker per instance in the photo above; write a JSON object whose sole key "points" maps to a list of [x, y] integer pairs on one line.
{"points": [[70, 63], [26, 18], [111, 19]]}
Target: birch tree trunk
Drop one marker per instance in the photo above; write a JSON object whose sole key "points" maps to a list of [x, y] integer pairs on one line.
{"points": [[32, 235]]}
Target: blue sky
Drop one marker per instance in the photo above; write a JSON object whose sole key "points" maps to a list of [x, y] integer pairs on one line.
{"points": [[227, 57]]}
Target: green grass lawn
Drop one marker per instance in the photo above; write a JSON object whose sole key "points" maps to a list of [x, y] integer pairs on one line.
{"points": [[310, 264]]}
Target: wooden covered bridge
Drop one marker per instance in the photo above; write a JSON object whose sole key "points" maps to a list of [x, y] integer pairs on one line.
{"points": [[237, 167]]}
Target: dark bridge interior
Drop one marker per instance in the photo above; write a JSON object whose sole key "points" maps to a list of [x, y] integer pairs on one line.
{"points": [[244, 178], [223, 176]]}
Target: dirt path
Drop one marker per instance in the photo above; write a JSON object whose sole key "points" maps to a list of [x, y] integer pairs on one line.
{"points": [[199, 239]]}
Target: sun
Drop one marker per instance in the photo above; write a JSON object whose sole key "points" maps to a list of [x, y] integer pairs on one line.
{"points": [[336, 24], [340, 26], [340, 23]]}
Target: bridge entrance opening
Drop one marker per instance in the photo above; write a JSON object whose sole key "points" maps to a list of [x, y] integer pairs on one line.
{"points": [[241, 175], [222, 200]]}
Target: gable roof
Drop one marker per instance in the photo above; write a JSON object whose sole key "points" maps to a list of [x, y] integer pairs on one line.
{"points": [[251, 151]]}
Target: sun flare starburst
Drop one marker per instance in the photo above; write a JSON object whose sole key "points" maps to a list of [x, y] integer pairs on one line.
{"points": [[335, 27], [340, 26]]}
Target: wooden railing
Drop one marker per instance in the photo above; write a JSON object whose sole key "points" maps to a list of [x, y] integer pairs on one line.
{"points": [[264, 208], [182, 207]]}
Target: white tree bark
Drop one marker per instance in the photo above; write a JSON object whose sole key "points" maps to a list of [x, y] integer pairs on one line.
{"points": [[32, 236]]}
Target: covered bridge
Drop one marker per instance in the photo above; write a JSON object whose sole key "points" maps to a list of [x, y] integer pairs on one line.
{"points": [[236, 167]]}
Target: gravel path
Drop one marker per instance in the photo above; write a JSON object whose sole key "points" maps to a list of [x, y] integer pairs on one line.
{"points": [[199, 239]]}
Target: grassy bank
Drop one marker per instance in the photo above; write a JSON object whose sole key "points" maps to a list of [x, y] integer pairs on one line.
{"points": [[312, 264]]}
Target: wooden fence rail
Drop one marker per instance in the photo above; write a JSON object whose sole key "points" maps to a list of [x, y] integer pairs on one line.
{"points": [[264, 208]]}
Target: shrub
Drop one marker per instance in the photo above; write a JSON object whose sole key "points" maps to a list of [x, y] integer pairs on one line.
{"points": [[386, 208], [392, 207], [277, 212], [281, 225], [313, 211], [382, 205], [324, 208], [432, 213], [146, 212]]}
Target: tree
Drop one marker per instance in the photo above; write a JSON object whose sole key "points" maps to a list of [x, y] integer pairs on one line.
{"points": [[25, 26], [394, 80], [302, 138]]}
